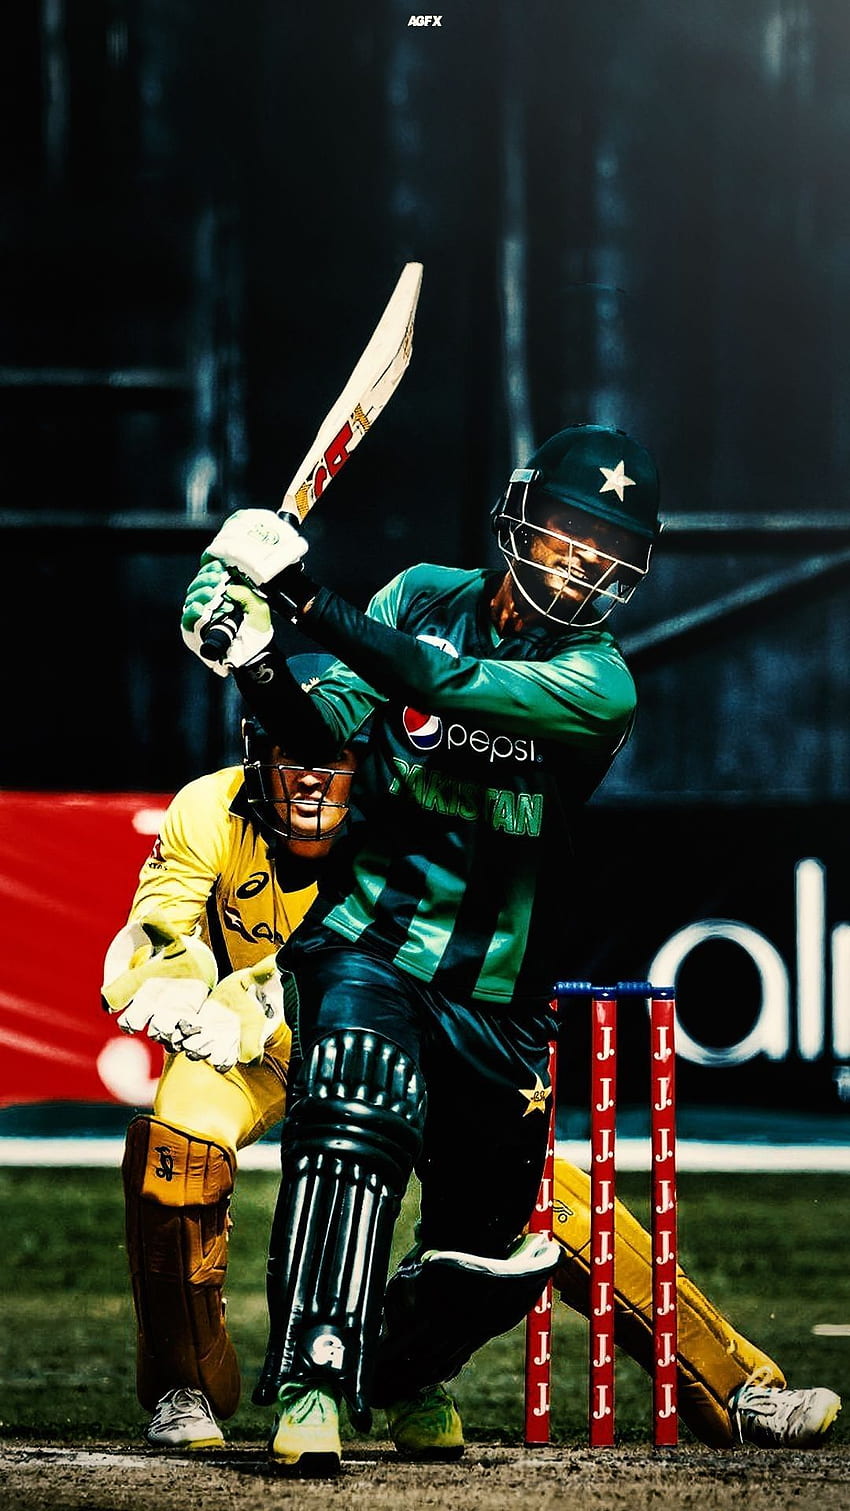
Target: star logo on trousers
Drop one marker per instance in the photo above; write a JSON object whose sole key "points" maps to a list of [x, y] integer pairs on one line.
{"points": [[536, 1096]]}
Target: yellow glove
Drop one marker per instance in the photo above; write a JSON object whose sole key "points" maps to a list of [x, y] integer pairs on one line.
{"points": [[237, 1019], [157, 978]]}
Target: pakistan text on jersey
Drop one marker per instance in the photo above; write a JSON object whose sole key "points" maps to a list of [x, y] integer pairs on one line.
{"points": [[438, 792]]}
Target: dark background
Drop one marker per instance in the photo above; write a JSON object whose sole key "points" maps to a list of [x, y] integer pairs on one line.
{"points": [[629, 211]]}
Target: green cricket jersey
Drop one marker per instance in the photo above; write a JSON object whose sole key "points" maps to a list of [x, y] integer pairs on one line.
{"points": [[480, 749]]}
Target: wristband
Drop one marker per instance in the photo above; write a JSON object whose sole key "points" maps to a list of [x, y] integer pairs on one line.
{"points": [[292, 591]]}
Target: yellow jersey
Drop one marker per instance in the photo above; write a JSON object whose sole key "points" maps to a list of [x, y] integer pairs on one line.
{"points": [[211, 866]]}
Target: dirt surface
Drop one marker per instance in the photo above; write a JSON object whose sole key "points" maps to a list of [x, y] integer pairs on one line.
{"points": [[42, 1478]]}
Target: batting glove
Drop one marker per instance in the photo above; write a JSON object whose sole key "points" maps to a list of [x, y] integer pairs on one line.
{"points": [[258, 544], [213, 591]]}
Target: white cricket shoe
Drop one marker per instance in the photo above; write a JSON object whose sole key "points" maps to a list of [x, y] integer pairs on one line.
{"points": [[772, 1417], [183, 1419]]}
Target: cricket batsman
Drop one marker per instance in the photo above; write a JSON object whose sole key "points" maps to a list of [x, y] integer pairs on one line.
{"points": [[421, 978]]}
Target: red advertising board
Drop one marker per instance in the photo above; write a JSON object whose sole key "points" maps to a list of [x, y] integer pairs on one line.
{"points": [[68, 869], [745, 911]]}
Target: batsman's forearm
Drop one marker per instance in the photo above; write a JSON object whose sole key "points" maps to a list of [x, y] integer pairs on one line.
{"points": [[287, 713], [585, 697], [388, 658]]}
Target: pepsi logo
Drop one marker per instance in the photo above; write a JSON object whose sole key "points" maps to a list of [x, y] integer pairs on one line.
{"points": [[424, 731]]}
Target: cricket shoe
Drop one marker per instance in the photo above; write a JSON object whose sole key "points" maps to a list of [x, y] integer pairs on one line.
{"points": [[183, 1420], [428, 1426], [771, 1417], [305, 1437]]}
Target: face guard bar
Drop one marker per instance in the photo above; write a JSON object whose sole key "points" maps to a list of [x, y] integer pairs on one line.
{"points": [[272, 787], [561, 574]]}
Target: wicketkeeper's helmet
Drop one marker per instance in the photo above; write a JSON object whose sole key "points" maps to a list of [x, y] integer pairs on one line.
{"points": [[309, 813]]}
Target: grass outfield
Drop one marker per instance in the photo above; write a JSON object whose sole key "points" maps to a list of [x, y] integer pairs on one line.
{"points": [[770, 1250]]}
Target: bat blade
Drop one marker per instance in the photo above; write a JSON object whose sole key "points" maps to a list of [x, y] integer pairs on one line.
{"points": [[374, 380], [372, 383]]}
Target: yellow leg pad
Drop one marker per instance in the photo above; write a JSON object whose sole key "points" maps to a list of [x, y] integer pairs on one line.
{"points": [[713, 1358], [177, 1192]]}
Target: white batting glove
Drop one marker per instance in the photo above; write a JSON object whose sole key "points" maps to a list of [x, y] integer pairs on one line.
{"points": [[211, 590], [156, 979], [258, 544]]}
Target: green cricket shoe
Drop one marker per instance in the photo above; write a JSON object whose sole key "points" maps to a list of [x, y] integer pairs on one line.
{"points": [[305, 1438], [428, 1426]]}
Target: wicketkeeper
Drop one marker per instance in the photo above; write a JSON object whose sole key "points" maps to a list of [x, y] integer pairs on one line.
{"points": [[230, 876]]}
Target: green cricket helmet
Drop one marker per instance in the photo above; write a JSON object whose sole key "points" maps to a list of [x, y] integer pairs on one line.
{"points": [[577, 524], [306, 806]]}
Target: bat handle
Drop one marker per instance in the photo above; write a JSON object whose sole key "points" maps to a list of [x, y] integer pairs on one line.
{"points": [[218, 635]]}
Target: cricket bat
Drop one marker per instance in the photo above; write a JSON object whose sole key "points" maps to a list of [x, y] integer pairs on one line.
{"points": [[372, 383]]}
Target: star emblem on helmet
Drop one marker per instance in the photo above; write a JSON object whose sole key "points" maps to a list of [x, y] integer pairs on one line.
{"points": [[536, 1096], [616, 480]]}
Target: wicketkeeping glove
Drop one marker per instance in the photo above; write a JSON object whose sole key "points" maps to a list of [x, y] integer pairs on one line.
{"points": [[207, 592], [156, 979], [258, 544], [237, 1019]]}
